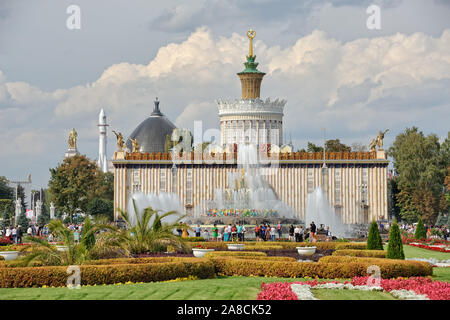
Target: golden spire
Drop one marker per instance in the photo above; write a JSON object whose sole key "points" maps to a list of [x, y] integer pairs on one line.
{"points": [[251, 34]]}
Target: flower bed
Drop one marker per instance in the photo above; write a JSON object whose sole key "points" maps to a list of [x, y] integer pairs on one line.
{"points": [[235, 254], [413, 288], [438, 248]]}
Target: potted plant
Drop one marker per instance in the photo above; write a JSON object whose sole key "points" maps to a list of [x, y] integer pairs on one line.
{"points": [[9, 252], [200, 250], [235, 246]]}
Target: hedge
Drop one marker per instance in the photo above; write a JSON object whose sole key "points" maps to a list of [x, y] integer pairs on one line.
{"points": [[360, 253], [326, 245], [352, 245], [389, 268], [106, 274]]}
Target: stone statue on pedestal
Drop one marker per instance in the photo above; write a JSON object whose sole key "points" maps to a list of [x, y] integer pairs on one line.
{"points": [[18, 210], [52, 211], [72, 142], [38, 209]]}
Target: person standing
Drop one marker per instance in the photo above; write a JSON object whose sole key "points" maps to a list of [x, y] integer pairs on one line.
{"points": [[14, 234], [19, 234], [239, 232], [29, 231], [76, 236], [8, 233], [215, 232], [291, 233], [257, 228], [312, 232], [268, 229], [272, 234], [279, 229], [297, 234], [300, 233], [198, 231]]}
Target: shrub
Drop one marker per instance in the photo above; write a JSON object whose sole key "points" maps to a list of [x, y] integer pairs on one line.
{"points": [[194, 239], [374, 241], [388, 268], [106, 274], [351, 245], [420, 233], [263, 247], [360, 253], [395, 245]]}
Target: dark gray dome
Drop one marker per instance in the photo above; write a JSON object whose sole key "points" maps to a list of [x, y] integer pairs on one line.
{"points": [[151, 133]]}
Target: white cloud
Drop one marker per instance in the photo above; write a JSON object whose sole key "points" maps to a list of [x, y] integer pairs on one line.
{"points": [[353, 88]]}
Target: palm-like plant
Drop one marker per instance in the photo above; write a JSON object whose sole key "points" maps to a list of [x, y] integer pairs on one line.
{"points": [[40, 252], [148, 232]]}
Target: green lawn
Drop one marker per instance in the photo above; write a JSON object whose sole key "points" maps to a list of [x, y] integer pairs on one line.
{"points": [[413, 252], [224, 288]]}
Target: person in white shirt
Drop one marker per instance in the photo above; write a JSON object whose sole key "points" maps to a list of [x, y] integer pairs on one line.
{"points": [[8, 233], [29, 231], [297, 234], [272, 233]]}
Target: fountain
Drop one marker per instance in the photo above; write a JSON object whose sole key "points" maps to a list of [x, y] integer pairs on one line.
{"points": [[319, 211], [248, 195], [163, 202]]}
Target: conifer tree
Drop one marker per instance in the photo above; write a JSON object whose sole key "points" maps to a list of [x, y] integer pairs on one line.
{"points": [[395, 246], [420, 233], [374, 241]]}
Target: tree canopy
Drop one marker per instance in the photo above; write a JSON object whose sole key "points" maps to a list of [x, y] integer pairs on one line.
{"points": [[421, 164], [74, 183], [6, 192]]}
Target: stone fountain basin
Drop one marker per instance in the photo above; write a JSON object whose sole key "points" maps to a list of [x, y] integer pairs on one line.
{"points": [[200, 253], [9, 255], [306, 251]]}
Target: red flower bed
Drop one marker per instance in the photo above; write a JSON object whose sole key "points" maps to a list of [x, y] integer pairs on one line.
{"points": [[276, 291], [406, 240], [434, 290], [424, 246]]}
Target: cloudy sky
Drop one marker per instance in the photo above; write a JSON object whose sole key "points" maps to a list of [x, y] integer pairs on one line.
{"points": [[319, 55]]}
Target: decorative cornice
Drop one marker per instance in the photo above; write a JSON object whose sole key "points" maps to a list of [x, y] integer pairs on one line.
{"points": [[250, 106]]}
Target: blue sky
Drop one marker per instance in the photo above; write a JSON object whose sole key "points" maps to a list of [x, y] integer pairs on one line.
{"points": [[318, 55]]}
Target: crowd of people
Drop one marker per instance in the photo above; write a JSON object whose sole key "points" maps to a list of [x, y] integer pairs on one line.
{"points": [[241, 213], [444, 230], [15, 234]]}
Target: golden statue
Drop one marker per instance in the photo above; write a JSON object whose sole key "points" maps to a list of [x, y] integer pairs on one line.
{"points": [[378, 141], [72, 139], [135, 145], [251, 34], [380, 138], [120, 141], [373, 144]]}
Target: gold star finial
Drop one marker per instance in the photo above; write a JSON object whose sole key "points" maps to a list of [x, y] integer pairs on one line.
{"points": [[251, 34]]}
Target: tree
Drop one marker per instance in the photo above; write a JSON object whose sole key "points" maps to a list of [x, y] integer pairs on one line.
{"points": [[313, 148], [395, 244], [6, 192], [420, 233], [23, 221], [374, 241], [99, 206], [394, 208], [105, 188], [147, 232], [336, 146], [420, 162], [6, 212], [73, 184]]}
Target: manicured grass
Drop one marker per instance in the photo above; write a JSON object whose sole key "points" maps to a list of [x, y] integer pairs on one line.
{"points": [[441, 274], [327, 294], [414, 252], [223, 288]]}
